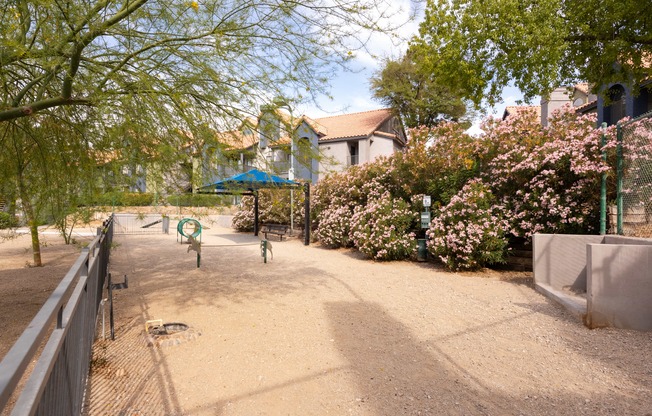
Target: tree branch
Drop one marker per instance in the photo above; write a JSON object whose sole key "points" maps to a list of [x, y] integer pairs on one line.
{"points": [[24, 111]]}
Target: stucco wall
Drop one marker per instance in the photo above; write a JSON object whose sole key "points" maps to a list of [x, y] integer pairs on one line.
{"points": [[334, 156], [381, 146]]}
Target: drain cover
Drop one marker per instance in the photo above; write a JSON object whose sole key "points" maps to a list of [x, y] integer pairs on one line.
{"points": [[174, 333]]}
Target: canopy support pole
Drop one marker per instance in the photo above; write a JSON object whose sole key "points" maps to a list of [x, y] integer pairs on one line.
{"points": [[255, 212], [306, 234]]}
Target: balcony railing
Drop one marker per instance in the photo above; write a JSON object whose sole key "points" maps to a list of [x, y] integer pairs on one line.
{"points": [[352, 160]]}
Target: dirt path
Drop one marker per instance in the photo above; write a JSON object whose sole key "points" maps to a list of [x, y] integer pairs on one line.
{"points": [[319, 332]]}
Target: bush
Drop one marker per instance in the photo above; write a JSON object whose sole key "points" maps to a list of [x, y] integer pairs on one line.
{"points": [[243, 220], [195, 200], [469, 232], [381, 229], [273, 208], [137, 199], [7, 220], [335, 227], [128, 199]]}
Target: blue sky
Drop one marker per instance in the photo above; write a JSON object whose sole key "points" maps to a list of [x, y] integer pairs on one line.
{"points": [[351, 90]]}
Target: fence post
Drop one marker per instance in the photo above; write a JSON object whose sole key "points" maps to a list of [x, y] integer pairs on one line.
{"points": [[619, 178], [603, 184]]}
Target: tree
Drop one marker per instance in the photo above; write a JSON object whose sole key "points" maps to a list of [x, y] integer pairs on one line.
{"points": [[46, 163], [203, 59], [144, 77], [410, 88], [481, 46]]}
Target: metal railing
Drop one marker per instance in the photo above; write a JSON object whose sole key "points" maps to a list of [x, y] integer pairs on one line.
{"points": [[57, 383], [352, 160], [634, 181]]}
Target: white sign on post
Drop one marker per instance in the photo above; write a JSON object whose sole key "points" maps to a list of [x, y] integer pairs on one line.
{"points": [[426, 200]]}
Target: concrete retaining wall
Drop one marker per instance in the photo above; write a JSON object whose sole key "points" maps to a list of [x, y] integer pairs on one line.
{"points": [[613, 272], [619, 286], [560, 260]]}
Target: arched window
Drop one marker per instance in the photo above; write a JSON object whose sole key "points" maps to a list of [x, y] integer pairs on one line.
{"points": [[304, 152], [616, 109]]}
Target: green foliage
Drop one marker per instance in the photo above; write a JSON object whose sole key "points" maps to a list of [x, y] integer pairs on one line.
{"points": [[196, 200], [415, 93], [273, 208], [469, 232], [7, 220], [481, 46], [126, 199]]}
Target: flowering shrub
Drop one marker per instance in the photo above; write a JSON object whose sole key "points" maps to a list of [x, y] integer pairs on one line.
{"points": [[469, 232], [549, 179], [243, 220], [273, 208], [381, 228], [334, 227], [517, 179]]}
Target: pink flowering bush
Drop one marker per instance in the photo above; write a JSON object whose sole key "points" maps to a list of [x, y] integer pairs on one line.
{"points": [[548, 179], [517, 179], [273, 208], [335, 227], [338, 194], [381, 228], [469, 232]]}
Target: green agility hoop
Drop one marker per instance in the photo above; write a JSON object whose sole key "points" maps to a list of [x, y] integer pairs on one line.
{"points": [[189, 221]]}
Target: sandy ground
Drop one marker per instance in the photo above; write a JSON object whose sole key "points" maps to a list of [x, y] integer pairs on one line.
{"points": [[324, 332]]}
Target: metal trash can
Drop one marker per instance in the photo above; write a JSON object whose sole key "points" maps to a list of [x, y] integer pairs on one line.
{"points": [[422, 251]]}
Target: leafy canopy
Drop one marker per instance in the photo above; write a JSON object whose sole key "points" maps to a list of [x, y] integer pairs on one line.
{"points": [[481, 46], [416, 93], [198, 58]]}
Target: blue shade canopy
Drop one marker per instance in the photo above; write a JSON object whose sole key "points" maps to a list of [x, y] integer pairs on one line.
{"points": [[251, 181]]}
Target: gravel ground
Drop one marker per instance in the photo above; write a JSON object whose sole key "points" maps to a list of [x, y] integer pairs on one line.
{"points": [[325, 332]]}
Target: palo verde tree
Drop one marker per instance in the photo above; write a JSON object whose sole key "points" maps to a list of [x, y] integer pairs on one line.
{"points": [[481, 46], [149, 69]]}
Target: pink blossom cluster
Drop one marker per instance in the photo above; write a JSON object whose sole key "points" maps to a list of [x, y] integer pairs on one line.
{"points": [[381, 228], [469, 232]]}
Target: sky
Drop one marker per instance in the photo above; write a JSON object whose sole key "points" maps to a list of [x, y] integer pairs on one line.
{"points": [[351, 90]]}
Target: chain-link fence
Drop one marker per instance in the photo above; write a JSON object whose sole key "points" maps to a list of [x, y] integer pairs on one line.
{"points": [[634, 185]]}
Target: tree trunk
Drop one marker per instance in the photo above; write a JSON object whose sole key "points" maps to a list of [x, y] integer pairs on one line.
{"points": [[32, 222]]}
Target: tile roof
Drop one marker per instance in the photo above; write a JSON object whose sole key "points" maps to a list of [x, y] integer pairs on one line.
{"points": [[520, 109], [236, 139], [353, 125], [586, 106]]}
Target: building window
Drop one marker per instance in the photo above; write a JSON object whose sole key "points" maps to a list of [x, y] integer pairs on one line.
{"points": [[354, 153], [616, 109]]}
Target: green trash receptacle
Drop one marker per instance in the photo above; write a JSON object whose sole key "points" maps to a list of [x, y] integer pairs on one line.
{"points": [[422, 251]]}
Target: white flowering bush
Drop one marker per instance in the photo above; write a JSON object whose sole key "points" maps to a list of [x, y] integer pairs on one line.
{"points": [[469, 232], [381, 228]]}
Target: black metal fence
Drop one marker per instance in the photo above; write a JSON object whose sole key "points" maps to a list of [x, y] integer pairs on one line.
{"points": [[57, 382]]}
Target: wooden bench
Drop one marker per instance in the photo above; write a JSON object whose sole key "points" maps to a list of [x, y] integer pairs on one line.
{"points": [[274, 229]]}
